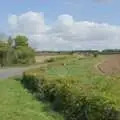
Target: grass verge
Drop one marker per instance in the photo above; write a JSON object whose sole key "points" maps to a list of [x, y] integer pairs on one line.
{"points": [[17, 104]]}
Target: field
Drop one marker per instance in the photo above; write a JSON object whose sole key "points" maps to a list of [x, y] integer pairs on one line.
{"points": [[17, 104], [87, 75], [110, 66], [75, 77], [42, 58]]}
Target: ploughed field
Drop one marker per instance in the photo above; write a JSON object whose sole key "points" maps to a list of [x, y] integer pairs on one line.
{"points": [[75, 86], [111, 65]]}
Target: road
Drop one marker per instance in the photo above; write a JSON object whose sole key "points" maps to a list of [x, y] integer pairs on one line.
{"points": [[10, 72]]}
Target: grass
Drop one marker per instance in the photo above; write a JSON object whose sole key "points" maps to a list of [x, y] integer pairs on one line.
{"points": [[17, 104], [41, 59], [87, 77]]}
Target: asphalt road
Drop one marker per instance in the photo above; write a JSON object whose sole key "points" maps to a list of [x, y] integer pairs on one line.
{"points": [[11, 72]]}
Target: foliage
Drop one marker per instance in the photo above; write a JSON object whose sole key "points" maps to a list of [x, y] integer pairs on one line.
{"points": [[24, 55], [16, 51], [50, 60], [21, 41], [71, 101], [95, 54], [110, 51], [3, 52], [10, 41]]}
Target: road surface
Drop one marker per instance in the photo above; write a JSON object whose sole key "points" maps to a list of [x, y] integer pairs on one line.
{"points": [[10, 72]]}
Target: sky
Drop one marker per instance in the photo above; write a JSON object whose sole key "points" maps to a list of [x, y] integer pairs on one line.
{"points": [[63, 24]]}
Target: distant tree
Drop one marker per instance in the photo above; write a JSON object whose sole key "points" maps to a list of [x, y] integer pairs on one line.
{"points": [[95, 54]]}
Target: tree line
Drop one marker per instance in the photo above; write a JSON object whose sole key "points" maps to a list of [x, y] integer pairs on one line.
{"points": [[16, 51], [105, 51]]}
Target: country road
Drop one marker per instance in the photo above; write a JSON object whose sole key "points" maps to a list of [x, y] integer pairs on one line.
{"points": [[14, 71]]}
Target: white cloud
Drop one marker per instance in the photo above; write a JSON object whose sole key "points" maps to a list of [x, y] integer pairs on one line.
{"points": [[28, 23], [65, 33]]}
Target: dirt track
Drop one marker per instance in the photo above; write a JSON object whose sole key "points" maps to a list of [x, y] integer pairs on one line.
{"points": [[111, 65]]}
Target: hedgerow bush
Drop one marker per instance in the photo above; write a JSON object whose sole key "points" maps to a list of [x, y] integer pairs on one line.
{"points": [[50, 60], [65, 97]]}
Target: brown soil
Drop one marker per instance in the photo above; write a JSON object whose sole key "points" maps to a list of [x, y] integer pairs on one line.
{"points": [[111, 65]]}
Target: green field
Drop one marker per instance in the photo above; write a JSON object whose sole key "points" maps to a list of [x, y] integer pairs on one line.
{"points": [[86, 74], [17, 104]]}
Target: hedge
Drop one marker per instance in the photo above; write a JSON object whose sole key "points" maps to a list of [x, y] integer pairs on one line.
{"points": [[68, 99]]}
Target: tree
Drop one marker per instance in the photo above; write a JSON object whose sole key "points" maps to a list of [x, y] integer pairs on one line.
{"points": [[11, 51], [3, 53], [16, 51], [21, 41], [10, 41], [24, 53]]}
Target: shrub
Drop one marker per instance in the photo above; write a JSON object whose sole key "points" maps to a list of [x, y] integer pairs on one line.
{"points": [[50, 60], [95, 54]]}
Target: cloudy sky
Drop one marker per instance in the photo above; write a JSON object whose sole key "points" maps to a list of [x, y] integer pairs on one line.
{"points": [[63, 24]]}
